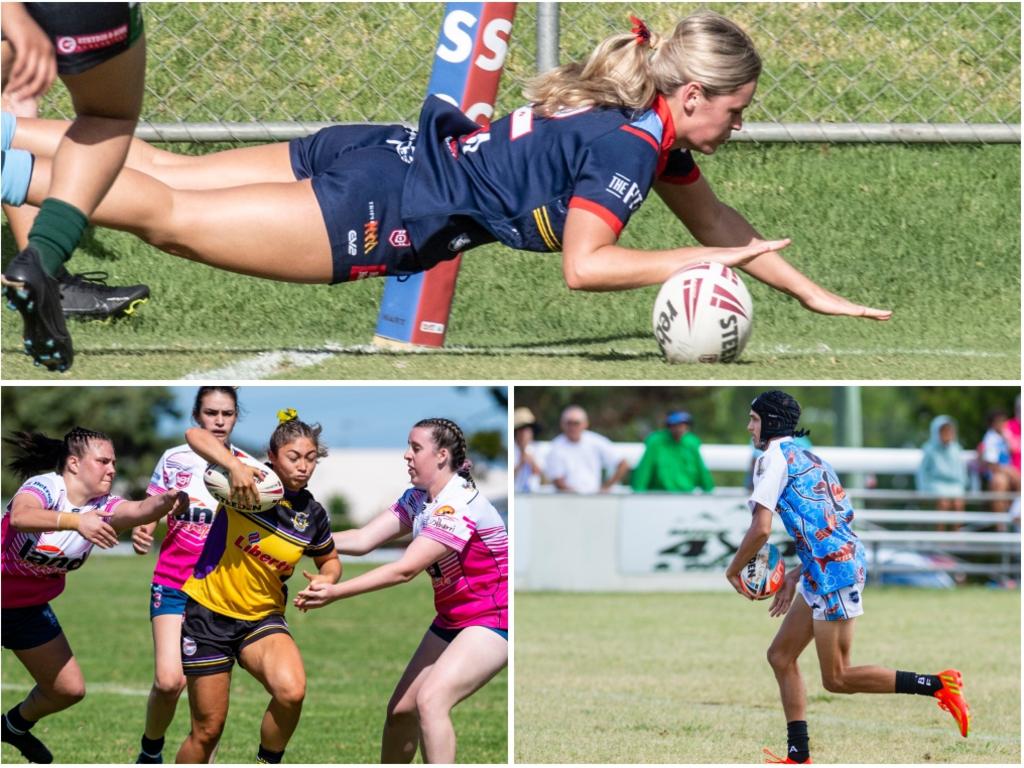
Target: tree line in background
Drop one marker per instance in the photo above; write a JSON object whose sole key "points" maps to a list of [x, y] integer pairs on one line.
{"points": [[130, 415], [893, 417]]}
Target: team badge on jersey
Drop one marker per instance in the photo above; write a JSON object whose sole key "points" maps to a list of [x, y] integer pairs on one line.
{"points": [[300, 521], [445, 510]]}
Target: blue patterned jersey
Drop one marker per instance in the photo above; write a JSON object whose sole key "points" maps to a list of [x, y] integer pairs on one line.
{"points": [[516, 181], [806, 493]]}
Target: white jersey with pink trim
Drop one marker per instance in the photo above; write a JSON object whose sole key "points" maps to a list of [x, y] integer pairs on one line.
{"points": [[181, 469], [471, 582], [34, 565]]}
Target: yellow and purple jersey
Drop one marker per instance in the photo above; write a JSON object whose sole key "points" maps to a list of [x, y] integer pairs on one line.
{"points": [[248, 556]]}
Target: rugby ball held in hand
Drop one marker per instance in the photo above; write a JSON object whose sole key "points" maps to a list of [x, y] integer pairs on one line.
{"points": [[763, 575], [268, 486], [703, 314]]}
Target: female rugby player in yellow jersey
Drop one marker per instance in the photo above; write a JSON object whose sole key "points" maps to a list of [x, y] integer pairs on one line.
{"points": [[237, 594]]}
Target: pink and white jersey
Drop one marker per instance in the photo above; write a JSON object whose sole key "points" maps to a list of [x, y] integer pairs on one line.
{"points": [[470, 583], [34, 565], [181, 469]]}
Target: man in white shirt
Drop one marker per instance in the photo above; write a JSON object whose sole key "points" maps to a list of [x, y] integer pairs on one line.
{"points": [[577, 457]]}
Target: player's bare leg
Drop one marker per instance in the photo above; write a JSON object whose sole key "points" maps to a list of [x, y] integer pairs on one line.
{"points": [[794, 635], [401, 735], [168, 679], [275, 231], [217, 170], [59, 680], [475, 656], [834, 640], [275, 661], [208, 703]]}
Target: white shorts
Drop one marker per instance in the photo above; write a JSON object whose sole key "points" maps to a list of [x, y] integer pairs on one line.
{"points": [[844, 603]]}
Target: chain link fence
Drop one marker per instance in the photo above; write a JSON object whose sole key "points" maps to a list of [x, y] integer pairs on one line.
{"points": [[833, 71]]}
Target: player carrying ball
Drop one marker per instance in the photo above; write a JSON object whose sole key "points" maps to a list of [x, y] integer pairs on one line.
{"points": [[830, 577]]}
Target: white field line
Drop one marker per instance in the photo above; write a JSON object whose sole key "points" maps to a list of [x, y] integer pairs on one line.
{"points": [[90, 687], [268, 363]]}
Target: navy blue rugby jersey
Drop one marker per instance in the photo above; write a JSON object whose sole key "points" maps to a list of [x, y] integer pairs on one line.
{"points": [[516, 182]]}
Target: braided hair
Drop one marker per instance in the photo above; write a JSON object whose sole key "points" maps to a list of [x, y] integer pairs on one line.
{"points": [[447, 434], [38, 453], [290, 428]]}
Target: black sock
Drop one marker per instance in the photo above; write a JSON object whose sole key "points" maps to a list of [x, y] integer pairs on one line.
{"points": [[922, 685], [266, 756], [152, 747], [799, 750], [16, 721]]}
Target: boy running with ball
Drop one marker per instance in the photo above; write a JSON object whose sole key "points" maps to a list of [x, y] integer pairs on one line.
{"points": [[830, 577]]}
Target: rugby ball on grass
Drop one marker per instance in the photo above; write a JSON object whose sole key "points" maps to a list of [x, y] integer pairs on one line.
{"points": [[269, 486], [763, 575], [703, 314]]}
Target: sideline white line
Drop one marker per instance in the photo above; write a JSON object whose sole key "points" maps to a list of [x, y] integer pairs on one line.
{"points": [[268, 363], [90, 687]]}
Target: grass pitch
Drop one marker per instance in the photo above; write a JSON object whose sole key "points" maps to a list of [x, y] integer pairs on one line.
{"points": [[932, 232], [682, 678], [353, 657]]}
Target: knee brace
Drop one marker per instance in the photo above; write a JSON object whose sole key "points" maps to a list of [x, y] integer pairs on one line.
{"points": [[15, 175], [10, 123]]}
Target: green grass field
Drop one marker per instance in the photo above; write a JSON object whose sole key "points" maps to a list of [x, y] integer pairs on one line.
{"points": [[932, 232], [682, 678], [353, 656]]}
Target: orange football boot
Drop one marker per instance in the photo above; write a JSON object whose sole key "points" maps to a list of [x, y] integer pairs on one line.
{"points": [[951, 698], [773, 758]]}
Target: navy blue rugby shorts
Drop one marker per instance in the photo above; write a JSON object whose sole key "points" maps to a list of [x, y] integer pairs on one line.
{"points": [[358, 172]]}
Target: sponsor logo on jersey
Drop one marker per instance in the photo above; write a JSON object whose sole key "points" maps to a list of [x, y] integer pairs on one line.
{"points": [[366, 270], [50, 556], [445, 510], [370, 233], [300, 521], [446, 524], [68, 44], [626, 190], [459, 242], [353, 240], [399, 238], [252, 549]]}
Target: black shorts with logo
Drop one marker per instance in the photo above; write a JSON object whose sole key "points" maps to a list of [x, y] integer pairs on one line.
{"points": [[358, 173], [87, 34], [211, 641], [28, 627]]}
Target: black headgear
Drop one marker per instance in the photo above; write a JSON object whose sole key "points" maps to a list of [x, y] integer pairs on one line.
{"points": [[779, 414]]}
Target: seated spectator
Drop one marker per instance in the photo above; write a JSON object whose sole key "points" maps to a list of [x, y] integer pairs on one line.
{"points": [[577, 457], [943, 471], [527, 472], [997, 472], [672, 460]]}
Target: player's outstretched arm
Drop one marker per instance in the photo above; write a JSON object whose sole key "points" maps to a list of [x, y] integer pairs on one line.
{"points": [[592, 261], [380, 530], [713, 222], [419, 555], [29, 516], [131, 513]]}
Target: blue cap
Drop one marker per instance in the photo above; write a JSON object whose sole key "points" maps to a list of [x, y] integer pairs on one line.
{"points": [[678, 417]]}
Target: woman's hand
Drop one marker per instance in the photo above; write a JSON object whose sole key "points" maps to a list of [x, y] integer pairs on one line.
{"points": [[35, 63], [92, 526], [828, 303], [243, 483], [318, 593], [142, 538], [738, 256]]}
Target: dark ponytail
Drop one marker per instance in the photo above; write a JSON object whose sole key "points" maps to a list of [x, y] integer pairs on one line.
{"points": [[38, 453]]}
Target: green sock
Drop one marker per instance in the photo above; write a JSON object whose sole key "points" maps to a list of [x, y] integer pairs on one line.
{"points": [[56, 232]]}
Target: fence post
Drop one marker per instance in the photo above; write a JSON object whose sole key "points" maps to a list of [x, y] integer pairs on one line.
{"points": [[547, 37]]}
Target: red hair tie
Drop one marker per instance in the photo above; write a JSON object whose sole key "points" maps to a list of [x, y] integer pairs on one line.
{"points": [[640, 30]]}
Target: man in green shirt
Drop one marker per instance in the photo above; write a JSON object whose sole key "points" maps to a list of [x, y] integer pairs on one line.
{"points": [[672, 460]]}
